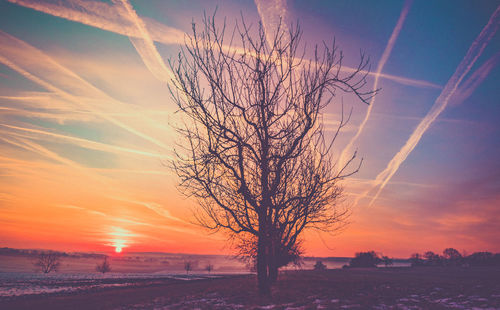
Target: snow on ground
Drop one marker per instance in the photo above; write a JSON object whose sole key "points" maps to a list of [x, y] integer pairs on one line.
{"points": [[19, 284], [412, 302]]}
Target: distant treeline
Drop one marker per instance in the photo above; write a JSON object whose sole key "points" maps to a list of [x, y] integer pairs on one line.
{"points": [[24, 252], [452, 257]]}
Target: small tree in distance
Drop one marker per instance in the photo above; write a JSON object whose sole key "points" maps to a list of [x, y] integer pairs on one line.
{"points": [[319, 266], [255, 153], [104, 266], [47, 262], [188, 266], [452, 256], [209, 267]]}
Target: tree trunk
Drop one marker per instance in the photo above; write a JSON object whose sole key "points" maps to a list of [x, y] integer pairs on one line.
{"points": [[262, 265], [273, 262], [273, 273]]}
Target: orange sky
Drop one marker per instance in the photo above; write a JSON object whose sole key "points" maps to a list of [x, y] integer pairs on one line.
{"points": [[85, 133]]}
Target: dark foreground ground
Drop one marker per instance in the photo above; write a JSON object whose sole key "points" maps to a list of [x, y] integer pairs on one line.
{"points": [[391, 288]]}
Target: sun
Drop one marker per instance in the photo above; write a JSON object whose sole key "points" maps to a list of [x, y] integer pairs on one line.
{"points": [[118, 249]]}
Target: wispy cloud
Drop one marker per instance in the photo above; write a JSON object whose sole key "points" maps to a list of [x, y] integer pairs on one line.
{"points": [[28, 61], [145, 46], [273, 14], [104, 16], [37, 134], [441, 102], [43, 151], [157, 208], [346, 153], [113, 18], [466, 88], [73, 207]]}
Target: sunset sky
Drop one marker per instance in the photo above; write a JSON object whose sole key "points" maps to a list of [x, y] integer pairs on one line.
{"points": [[86, 136]]}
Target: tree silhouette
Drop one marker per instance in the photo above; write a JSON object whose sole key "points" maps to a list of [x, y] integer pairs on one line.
{"points": [[104, 266], [319, 266], [365, 259], [452, 256], [433, 259], [416, 260], [209, 267], [47, 262], [188, 266], [254, 152]]}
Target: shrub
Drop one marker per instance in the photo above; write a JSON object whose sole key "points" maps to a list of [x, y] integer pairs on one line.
{"points": [[365, 259], [319, 265]]}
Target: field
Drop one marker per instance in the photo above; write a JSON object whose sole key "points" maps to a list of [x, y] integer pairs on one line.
{"points": [[382, 288]]}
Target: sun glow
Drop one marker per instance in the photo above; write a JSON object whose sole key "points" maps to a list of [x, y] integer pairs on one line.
{"points": [[120, 238]]}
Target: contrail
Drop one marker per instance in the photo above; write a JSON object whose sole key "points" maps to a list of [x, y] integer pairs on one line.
{"points": [[441, 102], [56, 108], [273, 13], [37, 148], [476, 78], [98, 146], [103, 16], [13, 48], [110, 18], [346, 153], [145, 46]]}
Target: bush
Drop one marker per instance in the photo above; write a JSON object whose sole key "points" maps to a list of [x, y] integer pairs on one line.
{"points": [[319, 265], [365, 259]]}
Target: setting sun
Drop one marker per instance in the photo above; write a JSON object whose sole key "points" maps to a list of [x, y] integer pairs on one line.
{"points": [[118, 250]]}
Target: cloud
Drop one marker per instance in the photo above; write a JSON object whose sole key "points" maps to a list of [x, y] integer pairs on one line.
{"points": [[104, 16], [113, 18], [43, 70], [476, 78], [94, 212], [274, 14], [145, 45], [157, 208], [347, 151], [441, 102], [39, 134]]}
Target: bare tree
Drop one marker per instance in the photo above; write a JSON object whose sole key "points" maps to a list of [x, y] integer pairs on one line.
{"points": [[188, 266], [255, 152], [104, 266], [209, 267], [47, 262]]}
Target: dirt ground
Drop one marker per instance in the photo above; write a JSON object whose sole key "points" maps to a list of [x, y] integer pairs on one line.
{"points": [[383, 288]]}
